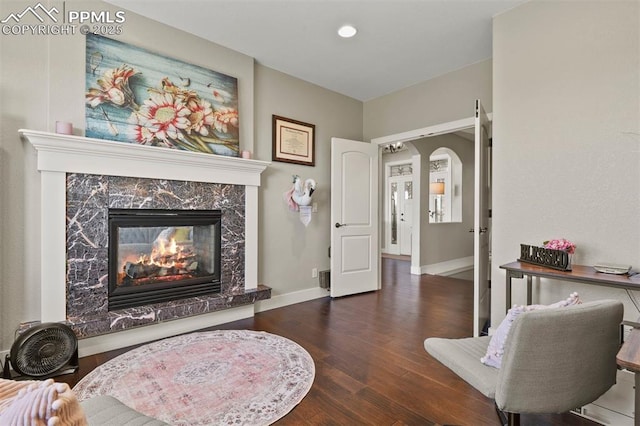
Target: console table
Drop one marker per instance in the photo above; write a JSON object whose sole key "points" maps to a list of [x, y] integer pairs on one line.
{"points": [[579, 273], [629, 355]]}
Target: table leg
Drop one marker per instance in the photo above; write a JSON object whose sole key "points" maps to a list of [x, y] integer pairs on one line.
{"points": [[529, 289], [636, 413], [508, 292]]}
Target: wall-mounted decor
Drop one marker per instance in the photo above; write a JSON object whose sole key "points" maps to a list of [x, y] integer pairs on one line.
{"points": [[293, 141], [298, 198], [137, 96]]}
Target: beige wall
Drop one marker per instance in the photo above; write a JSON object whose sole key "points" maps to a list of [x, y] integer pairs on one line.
{"points": [[566, 137], [446, 98], [23, 103], [42, 80], [288, 250]]}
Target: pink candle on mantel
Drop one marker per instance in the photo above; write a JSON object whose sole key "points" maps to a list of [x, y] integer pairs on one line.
{"points": [[246, 154], [64, 128]]}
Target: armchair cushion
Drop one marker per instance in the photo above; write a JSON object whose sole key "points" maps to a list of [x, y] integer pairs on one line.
{"points": [[495, 349], [559, 359], [461, 356], [107, 410]]}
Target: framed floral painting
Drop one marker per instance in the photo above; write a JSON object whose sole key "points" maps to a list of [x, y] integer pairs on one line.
{"points": [[136, 96]]}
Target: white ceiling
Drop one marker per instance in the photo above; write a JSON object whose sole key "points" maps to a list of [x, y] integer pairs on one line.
{"points": [[399, 42]]}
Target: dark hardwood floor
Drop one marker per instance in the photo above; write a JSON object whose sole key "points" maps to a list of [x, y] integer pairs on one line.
{"points": [[371, 366]]}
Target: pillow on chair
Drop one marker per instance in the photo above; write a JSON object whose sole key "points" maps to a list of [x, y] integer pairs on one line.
{"points": [[493, 357]]}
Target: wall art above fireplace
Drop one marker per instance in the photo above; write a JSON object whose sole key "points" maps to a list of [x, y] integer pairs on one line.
{"points": [[133, 95]]}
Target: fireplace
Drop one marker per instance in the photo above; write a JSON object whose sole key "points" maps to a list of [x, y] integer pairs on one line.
{"points": [[83, 179], [162, 255]]}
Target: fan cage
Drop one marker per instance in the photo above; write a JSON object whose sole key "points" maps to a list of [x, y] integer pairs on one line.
{"points": [[43, 350]]}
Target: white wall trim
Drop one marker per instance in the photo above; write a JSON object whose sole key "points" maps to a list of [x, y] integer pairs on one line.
{"points": [[448, 267], [428, 131], [434, 130], [416, 162], [287, 299], [78, 154], [135, 336]]}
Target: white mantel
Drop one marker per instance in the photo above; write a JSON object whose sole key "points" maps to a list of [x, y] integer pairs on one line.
{"points": [[77, 154], [59, 154]]}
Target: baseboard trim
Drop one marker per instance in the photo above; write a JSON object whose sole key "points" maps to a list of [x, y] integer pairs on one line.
{"points": [[448, 267], [281, 300], [135, 336]]}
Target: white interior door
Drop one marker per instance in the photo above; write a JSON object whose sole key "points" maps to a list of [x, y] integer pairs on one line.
{"points": [[398, 222], [354, 217], [406, 218], [481, 222], [392, 207]]}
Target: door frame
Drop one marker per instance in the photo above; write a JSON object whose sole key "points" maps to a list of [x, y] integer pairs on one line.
{"points": [[408, 136], [439, 129], [481, 222]]}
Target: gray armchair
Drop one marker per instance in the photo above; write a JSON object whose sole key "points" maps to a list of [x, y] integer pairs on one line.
{"points": [[554, 360]]}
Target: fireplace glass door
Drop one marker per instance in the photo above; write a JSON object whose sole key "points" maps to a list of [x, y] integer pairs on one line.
{"points": [[162, 255]]}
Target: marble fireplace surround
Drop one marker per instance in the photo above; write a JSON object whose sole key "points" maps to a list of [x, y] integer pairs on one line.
{"points": [[65, 160]]}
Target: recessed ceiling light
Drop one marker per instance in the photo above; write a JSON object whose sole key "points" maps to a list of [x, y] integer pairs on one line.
{"points": [[347, 31]]}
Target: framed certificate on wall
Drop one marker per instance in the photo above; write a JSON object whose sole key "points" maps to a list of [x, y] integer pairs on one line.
{"points": [[293, 141]]}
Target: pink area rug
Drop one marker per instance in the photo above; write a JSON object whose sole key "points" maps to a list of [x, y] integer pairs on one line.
{"points": [[223, 377]]}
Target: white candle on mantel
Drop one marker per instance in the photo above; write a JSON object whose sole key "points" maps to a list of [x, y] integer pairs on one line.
{"points": [[64, 128]]}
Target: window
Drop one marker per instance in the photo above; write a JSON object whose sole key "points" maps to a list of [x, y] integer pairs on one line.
{"points": [[445, 186]]}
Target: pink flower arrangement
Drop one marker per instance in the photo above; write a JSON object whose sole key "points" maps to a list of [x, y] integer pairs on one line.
{"points": [[560, 244]]}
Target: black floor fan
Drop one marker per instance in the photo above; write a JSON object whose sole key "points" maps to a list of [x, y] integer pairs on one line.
{"points": [[42, 351]]}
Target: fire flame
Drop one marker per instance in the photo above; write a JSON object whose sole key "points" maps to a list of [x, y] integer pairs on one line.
{"points": [[164, 248], [160, 253], [167, 258]]}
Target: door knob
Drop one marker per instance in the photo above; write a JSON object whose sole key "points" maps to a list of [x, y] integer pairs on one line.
{"points": [[338, 225], [482, 230]]}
